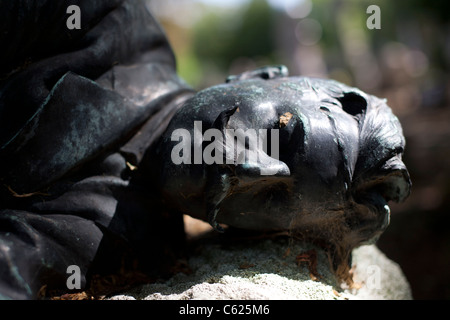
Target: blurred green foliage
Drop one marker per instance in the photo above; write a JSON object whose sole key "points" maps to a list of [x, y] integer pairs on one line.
{"points": [[248, 33], [257, 32]]}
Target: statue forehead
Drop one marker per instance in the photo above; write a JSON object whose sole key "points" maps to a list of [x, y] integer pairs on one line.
{"points": [[286, 88], [299, 93]]}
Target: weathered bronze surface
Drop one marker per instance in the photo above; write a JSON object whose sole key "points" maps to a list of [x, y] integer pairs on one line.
{"points": [[339, 158], [86, 148]]}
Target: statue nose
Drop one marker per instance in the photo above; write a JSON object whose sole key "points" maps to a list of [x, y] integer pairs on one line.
{"points": [[263, 166]]}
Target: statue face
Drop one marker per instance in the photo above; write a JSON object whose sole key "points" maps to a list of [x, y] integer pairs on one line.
{"points": [[268, 151]]}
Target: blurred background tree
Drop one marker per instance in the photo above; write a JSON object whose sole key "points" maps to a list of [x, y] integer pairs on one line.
{"points": [[407, 61]]}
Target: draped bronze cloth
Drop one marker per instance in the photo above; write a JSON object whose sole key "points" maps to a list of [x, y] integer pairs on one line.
{"points": [[78, 110]]}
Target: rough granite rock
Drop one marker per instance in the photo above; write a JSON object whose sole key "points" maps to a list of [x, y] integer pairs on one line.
{"points": [[268, 269]]}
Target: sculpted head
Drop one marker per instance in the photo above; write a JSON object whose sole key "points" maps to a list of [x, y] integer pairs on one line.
{"points": [[267, 151]]}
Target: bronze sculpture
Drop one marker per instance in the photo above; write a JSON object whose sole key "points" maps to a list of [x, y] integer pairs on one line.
{"points": [[87, 172], [338, 162]]}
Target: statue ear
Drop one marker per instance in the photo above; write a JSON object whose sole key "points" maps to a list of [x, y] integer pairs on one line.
{"points": [[396, 182], [381, 146], [267, 72], [392, 181]]}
